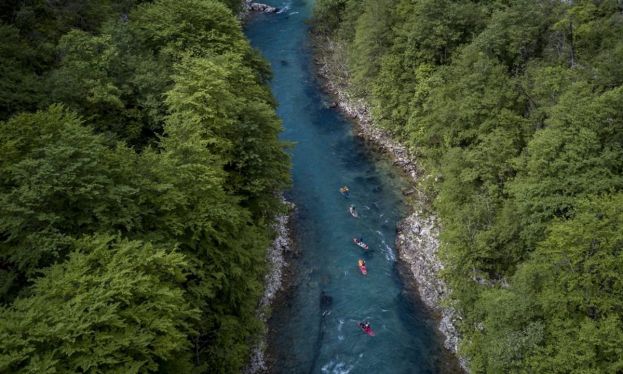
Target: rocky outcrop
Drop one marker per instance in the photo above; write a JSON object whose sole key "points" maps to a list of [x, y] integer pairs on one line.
{"points": [[417, 243], [418, 235], [250, 6], [272, 285]]}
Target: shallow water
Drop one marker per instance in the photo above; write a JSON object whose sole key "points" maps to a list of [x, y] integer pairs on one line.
{"points": [[314, 330]]}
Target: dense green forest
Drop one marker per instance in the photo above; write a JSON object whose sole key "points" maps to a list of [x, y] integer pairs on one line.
{"points": [[139, 171], [514, 110]]}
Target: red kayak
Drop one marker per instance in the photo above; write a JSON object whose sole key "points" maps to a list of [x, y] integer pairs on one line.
{"points": [[367, 330], [362, 267], [360, 243]]}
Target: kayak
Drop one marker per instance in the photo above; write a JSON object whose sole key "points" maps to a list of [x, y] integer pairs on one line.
{"points": [[360, 243], [353, 212], [368, 330], [362, 267]]}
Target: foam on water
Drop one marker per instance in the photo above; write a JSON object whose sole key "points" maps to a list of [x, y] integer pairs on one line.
{"points": [[388, 252], [334, 367], [284, 7]]}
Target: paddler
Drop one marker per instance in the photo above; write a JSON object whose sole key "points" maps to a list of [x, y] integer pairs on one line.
{"points": [[365, 326]]}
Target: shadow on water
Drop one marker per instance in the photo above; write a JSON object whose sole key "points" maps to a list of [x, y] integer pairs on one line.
{"points": [[325, 309]]}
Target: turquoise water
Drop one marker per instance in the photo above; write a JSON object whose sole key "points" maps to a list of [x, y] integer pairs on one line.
{"points": [[314, 330]]}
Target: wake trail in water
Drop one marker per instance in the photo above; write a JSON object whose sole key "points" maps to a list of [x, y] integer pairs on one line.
{"points": [[285, 7]]}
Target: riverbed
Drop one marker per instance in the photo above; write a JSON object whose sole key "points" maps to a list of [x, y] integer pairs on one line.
{"points": [[314, 328]]}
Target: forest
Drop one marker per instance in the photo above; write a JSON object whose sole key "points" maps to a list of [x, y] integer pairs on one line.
{"points": [[140, 167], [514, 112]]}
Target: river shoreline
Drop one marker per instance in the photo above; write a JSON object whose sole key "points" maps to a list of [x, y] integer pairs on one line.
{"points": [[278, 280], [417, 235], [275, 282]]}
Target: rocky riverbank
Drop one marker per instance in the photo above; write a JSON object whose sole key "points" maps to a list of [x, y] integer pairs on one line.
{"points": [[417, 240], [418, 244], [273, 283]]}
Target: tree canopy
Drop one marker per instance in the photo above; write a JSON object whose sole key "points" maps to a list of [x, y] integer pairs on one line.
{"points": [[140, 167]]}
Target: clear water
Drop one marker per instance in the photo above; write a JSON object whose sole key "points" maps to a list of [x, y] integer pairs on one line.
{"points": [[314, 330]]}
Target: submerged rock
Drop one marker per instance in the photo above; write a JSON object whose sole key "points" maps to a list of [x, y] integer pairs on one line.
{"points": [[325, 300]]}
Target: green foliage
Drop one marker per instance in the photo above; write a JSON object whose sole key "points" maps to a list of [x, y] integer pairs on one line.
{"points": [[514, 110], [329, 14], [371, 39], [58, 180], [155, 128], [222, 97], [113, 306], [117, 77], [516, 33], [569, 158], [563, 312], [19, 85], [199, 27], [84, 83]]}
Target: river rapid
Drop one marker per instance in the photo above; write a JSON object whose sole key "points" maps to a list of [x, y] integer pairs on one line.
{"points": [[314, 328]]}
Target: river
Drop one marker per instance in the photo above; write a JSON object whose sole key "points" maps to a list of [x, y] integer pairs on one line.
{"points": [[314, 329]]}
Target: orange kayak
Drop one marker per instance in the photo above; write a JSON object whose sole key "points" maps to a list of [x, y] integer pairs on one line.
{"points": [[362, 267]]}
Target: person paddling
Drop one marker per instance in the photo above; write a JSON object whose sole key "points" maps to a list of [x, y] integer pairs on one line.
{"points": [[365, 326], [360, 243]]}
